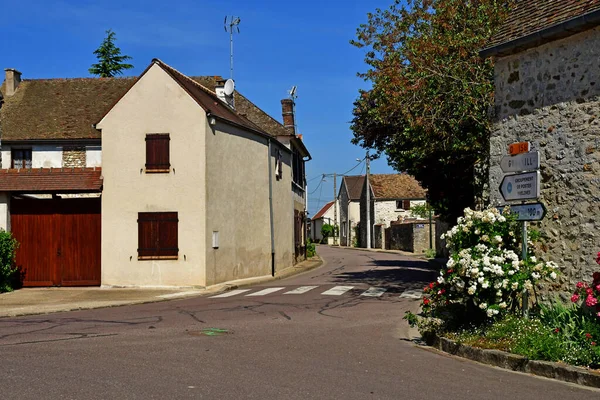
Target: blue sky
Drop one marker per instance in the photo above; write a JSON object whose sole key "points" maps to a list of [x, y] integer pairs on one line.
{"points": [[281, 43]]}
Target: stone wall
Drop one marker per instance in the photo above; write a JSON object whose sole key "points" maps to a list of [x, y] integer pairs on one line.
{"points": [[409, 236], [549, 96], [73, 156]]}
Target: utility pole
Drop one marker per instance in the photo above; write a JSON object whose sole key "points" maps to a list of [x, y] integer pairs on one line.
{"points": [[368, 227], [335, 224]]}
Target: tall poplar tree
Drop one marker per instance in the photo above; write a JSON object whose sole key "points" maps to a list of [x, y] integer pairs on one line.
{"points": [[110, 59]]}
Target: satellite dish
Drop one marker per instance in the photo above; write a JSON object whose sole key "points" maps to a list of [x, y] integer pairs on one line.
{"points": [[229, 87]]}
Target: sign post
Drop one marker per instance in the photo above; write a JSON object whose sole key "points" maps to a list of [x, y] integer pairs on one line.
{"points": [[523, 185]]}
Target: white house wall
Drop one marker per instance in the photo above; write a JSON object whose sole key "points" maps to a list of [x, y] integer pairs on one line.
{"points": [[386, 211], [93, 156], [51, 156]]}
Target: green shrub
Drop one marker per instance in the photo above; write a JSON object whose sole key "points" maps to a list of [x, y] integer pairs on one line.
{"points": [[326, 231], [310, 249], [8, 272]]}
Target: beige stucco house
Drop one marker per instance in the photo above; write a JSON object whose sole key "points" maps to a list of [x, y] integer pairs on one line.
{"points": [[154, 181]]}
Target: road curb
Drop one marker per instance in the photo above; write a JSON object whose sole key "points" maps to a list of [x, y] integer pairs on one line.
{"points": [[514, 362]]}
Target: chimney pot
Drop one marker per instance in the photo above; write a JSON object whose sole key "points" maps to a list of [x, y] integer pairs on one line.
{"points": [[287, 111], [12, 78]]}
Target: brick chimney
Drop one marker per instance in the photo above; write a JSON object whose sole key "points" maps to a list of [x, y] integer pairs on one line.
{"points": [[12, 80], [287, 110]]}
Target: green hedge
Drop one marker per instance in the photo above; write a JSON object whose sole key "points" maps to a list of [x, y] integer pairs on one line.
{"points": [[8, 272]]}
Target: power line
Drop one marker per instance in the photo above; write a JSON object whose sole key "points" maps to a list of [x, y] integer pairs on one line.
{"points": [[320, 183], [342, 174]]}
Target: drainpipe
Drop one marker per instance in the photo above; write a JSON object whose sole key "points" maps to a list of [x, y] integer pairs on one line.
{"points": [[271, 211]]}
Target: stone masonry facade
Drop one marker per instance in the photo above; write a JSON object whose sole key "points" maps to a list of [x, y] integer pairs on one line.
{"points": [[73, 156], [549, 96]]}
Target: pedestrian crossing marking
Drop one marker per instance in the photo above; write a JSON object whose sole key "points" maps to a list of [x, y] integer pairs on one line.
{"points": [[301, 290], [374, 292], [230, 293], [266, 291], [411, 294], [336, 291]]}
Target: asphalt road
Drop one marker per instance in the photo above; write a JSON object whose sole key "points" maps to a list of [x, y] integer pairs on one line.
{"points": [[339, 334]]}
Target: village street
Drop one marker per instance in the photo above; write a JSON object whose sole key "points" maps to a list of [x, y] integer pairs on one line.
{"points": [[334, 332]]}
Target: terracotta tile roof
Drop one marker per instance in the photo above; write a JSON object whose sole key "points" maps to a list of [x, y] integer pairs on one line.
{"points": [[43, 109], [57, 180], [322, 211], [354, 185], [531, 16], [246, 108], [396, 186], [208, 100]]}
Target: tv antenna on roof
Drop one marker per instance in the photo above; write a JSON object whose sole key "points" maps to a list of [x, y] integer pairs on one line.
{"points": [[292, 93], [230, 27]]}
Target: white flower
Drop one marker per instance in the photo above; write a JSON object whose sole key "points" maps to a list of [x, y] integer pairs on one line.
{"points": [[511, 272], [528, 285], [532, 259], [443, 236], [480, 279], [477, 232], [485, 284], [503, 305], [553, 275], [535, 275], [497, 239], [440, 279], [515, 285], [465, 229], [471, 290], [501, 218], [483, 306], [499, 293], [485, 238], [505, 283], [490, 312]]}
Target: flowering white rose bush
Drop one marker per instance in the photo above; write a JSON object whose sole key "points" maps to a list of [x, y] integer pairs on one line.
{"points": [[484, 271]]}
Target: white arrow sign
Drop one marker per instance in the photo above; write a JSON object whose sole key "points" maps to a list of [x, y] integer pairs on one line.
{"points": [[521, 186], [527, 212], [521, 162]]}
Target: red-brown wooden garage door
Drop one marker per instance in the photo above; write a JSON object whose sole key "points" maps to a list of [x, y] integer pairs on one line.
{"points": [[59, 240]]}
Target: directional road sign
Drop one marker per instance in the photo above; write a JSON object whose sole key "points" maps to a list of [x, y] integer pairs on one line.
{"points": [[527, 212], [521, 162], [521, 186]]}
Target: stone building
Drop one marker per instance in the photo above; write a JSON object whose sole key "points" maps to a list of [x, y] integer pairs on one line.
{"points": [[547, 82], [391, 198]]}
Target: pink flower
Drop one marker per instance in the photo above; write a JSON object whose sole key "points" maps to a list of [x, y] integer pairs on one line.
{"points": [[591, 301], [598, 287], [575, 298], [588, 336], [598, 315], [579, 285], [589, 291]]}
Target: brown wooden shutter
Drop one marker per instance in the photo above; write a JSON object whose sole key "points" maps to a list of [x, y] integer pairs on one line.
{"points": [[158, 235], [406, 204], [157, 152]]}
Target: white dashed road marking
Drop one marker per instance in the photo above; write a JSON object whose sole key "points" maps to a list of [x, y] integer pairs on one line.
{"points": [[231, 293], [266, 291], [336, 291], [411, 294], [301, 290], [374, 292]]}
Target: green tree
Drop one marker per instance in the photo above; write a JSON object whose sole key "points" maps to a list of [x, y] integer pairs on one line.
{"points": [[110, 60], [430, 94], [8, 272]]}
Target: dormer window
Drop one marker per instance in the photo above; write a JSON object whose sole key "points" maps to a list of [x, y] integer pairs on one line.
{"points": [[157, 153], [21, 158]]}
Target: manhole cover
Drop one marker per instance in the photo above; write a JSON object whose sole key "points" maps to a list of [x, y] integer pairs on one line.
{"points": [[211, 332]]}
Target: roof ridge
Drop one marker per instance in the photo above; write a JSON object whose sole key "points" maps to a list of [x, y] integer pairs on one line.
{"points": [[79, 78], [209, 92]]}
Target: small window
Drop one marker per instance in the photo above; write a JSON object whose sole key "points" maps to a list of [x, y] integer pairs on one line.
{"points": [[157, 236], [157, 153], [403, 204], [21, 158]]}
